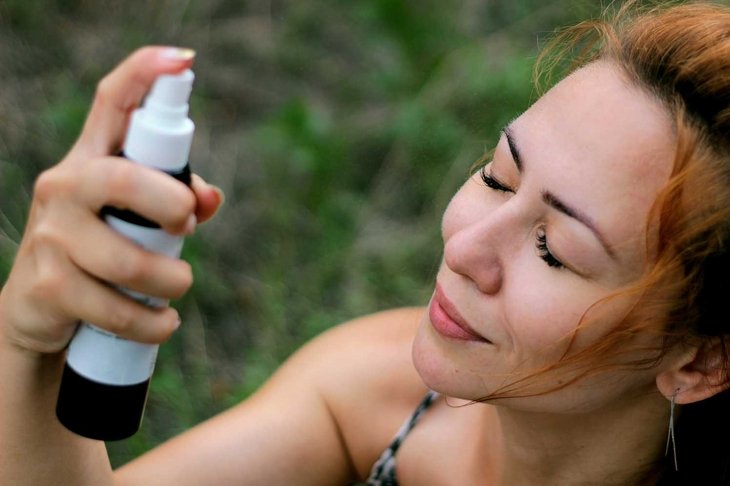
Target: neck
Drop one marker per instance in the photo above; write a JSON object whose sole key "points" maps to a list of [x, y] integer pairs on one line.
{"points": [[621, 442]]}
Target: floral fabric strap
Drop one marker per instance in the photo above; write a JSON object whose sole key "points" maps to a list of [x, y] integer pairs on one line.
{"points": [[383, 471]]}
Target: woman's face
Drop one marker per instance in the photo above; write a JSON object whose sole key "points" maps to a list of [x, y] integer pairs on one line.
{"points": [[554, 223]]}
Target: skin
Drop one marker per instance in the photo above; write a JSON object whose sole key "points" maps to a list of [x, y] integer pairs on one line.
{"points": [[601, 147], [595, 141]]}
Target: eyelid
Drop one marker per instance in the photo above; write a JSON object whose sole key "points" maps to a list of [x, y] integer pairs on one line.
{"points": [[541, 235], [492, 182], [542, 242]]}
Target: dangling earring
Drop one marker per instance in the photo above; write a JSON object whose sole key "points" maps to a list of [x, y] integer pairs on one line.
{"points": [[670, 433]]}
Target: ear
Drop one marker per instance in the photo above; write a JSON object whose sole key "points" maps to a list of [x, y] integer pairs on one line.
{"points": [[696, 373]]}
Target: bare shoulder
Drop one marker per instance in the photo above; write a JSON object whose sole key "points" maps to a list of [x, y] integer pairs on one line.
{"points": [[368, 355], [363, 374], [322, 418], [368, 380]]}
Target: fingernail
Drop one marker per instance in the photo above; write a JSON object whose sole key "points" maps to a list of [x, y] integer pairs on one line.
{"points": [[177, 324], [178, 54], [220, 193], [190, 225]]}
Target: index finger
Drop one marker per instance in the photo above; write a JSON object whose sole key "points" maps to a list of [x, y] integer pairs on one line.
{"points": [[120, 92]]}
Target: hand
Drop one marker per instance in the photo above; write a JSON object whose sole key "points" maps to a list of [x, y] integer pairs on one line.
{"points": [[68, 255]]}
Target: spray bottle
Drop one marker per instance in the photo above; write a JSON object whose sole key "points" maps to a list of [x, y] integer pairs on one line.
{"points": [[106, 377]]}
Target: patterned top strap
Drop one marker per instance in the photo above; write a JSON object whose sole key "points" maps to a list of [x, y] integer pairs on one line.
{"points": [[383, 471]]}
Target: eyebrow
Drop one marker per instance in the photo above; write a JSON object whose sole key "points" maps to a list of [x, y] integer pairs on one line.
{"points": [[553, 201]]}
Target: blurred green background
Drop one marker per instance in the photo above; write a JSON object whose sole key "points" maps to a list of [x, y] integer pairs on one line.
{"points": [[338, 130]]}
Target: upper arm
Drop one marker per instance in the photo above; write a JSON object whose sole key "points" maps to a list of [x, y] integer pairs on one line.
{"points": [[290, 431]]}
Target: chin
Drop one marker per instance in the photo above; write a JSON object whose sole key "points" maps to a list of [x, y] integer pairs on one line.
{"points": [[439, 372]]}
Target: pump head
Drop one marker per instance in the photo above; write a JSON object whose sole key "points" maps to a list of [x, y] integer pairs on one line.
{"points": [[170, 93], [160, 132]]}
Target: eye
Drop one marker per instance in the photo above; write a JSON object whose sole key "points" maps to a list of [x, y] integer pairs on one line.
{"points": [[544, 251], [492, 182]]}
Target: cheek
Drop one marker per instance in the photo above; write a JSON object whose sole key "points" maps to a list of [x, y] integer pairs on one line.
{"points": [[546, 308]]}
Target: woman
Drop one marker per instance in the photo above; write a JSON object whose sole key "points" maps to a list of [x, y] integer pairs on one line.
{"points": [[578, 302]]}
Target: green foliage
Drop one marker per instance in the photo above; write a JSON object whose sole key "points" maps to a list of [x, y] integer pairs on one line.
{"points": [[338, 130], [66, 113], [12, 214]]}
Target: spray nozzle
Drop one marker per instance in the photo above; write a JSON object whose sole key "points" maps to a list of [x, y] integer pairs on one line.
{"points": [[160, 132], [169, 95]]}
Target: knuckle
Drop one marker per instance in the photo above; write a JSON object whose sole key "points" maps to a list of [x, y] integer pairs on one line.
{"points": [[122, 319], [104, 89], [45, 235], [44, 186], [119, 179], [131, 267], [51, 272], [50, 281], [49, 184]]}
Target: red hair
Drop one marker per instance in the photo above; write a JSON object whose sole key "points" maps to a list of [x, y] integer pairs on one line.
{"points": [[679, 54]]}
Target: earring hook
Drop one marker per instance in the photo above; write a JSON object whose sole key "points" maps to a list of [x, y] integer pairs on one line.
{"points": [[670, 432]]}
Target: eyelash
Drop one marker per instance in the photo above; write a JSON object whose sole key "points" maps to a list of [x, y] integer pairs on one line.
{"points": [[541, 237], [491, 182], [544, 251]]}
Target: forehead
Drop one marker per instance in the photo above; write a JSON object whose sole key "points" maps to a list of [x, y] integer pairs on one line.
{"points": [[603, 144]]}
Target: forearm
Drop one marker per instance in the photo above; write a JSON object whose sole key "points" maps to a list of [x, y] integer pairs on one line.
{"points": [[34, 447]]}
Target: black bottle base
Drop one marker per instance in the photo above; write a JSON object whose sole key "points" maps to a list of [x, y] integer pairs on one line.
{"points": [[99, 411]]}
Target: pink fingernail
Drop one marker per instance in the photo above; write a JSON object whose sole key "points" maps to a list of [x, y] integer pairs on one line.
{"points": [[178, 54], [221, 194]]}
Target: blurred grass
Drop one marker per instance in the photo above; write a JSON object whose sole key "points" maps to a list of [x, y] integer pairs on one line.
{"points": [[338, 130]]}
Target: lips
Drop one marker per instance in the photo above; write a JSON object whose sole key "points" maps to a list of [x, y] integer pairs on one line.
{"points": [[447, 321]]}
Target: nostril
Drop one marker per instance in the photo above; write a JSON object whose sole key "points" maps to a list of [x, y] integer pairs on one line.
{"points": [[490, 278]]}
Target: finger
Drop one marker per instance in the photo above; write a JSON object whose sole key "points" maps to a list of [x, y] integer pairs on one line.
{"points": [[121, 91], [29, 299], [91, 301], [47, 294], [111, 257], [117, 182], [209, 198]]}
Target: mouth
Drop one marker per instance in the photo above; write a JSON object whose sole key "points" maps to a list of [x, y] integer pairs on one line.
{"points": [[448, 322]]}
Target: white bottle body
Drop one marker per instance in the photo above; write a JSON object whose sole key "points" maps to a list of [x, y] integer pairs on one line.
{"points": [[104, 357], [105, 381], [159, 136]]}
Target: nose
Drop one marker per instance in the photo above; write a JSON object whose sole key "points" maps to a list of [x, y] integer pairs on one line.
{"points": [[477, 252]]}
